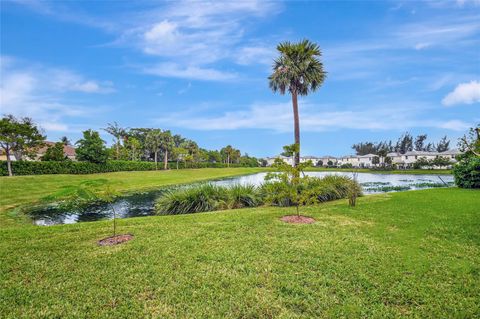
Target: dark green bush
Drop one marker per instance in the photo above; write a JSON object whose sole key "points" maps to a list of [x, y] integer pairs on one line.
{"points": [[194, 199], [207, 197], [467, 172], [313, 189], [72, 167]]}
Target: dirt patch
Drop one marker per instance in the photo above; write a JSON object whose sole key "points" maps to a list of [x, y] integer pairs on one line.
{"points": [[115, 240], [294, 219]]}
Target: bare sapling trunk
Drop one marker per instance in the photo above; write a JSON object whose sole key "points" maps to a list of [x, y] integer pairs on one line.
{"points": [[228, 160], [177, 163], [156, 166], [165, 160], [114, 220], [117, 147]]}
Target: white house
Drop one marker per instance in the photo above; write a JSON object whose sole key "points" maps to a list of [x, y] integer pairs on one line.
{"points": [[400, 160]]}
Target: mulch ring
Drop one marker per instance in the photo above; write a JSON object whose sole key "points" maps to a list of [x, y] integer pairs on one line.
{"points": [[115, 240], [294, 219]]}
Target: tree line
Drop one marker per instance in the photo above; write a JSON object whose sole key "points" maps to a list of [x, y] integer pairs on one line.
{"points": [[22, 138], [405, 143]]}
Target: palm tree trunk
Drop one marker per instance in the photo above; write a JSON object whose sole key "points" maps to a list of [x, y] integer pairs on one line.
{"points": [[9, 162], [156, 166], [228, 160], [296, 120], [165, 160], [117, 146]]}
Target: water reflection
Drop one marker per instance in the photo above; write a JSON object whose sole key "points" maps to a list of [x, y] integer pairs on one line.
{"points": [[142, 204]]}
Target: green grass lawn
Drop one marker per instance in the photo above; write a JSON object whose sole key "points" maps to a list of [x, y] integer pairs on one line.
{"points": [[23, 191], [412, 254]]}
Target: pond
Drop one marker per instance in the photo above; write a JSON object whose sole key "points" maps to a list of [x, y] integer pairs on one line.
{"points": [[142, 204]]}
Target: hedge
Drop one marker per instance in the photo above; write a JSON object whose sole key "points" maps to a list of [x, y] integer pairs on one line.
{"points": [[72, 167], [467, 172]]}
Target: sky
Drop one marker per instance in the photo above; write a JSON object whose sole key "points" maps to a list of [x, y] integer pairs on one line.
{"points": [[200, 69]]}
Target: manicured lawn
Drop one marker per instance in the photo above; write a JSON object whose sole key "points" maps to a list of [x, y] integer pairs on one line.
{"points": [[21, 191], [412, 254]]}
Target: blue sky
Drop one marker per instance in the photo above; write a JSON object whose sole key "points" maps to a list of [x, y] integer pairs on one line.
{"points": [[200, 69]]}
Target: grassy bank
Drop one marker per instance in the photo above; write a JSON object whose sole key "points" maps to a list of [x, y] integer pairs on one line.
{"points": [[21, 191], [412, 254], [397, 171]]}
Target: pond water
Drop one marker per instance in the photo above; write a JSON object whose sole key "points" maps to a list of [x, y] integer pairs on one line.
{"points": [[142, 204]]}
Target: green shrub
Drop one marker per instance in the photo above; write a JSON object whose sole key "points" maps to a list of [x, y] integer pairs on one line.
{"points": [[240, 196], [467, 172], [194, 199], [312, 189], [207, 197], [73, 167], [346, 165]]}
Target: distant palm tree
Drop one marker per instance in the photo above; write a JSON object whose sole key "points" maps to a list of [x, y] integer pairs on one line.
{"points": [[118, 132], [166, 145], [153, 141], [299, 71]]}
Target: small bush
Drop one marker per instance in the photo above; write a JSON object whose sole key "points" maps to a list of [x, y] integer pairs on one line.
{"points": [[467, 172], [312, 189]]}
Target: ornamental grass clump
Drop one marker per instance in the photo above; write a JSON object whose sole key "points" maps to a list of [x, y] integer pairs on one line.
{"points": [[194, 199], [240, 196], [208, 197]]}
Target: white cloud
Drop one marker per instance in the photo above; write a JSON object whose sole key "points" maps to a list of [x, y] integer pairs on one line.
{"points": [[422, 45], [314, 118], [40, 92], [462, 3], [464, 93], [188, 72], [256, 55]]}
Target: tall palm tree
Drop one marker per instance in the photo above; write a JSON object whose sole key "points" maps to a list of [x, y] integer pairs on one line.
{"points": [[167, 145], [299, 71], [118, 132], [153, 141]]}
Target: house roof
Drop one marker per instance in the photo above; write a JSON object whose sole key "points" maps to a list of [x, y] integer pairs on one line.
{"points": [[68, 150]]}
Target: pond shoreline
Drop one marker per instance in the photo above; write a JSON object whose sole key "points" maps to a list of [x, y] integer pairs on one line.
{"points": [[141, 202]]}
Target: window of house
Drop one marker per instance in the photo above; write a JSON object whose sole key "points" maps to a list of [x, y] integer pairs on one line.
{"points": [[406, 157], [416, 156]]}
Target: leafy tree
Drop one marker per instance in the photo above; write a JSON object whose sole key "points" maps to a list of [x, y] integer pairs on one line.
{"points": [[179, 154], [167, 145], [375, 160], [154, 143], [443, 144], [329, 163], [404, 143], [298, 71], [65, 141], [118, 133], [55, 153], [229, 154], [134, 146], [470, 143], [19, 136], [467, 170], [91, 148], [291, 178], [320, 163], [419, 142]]}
